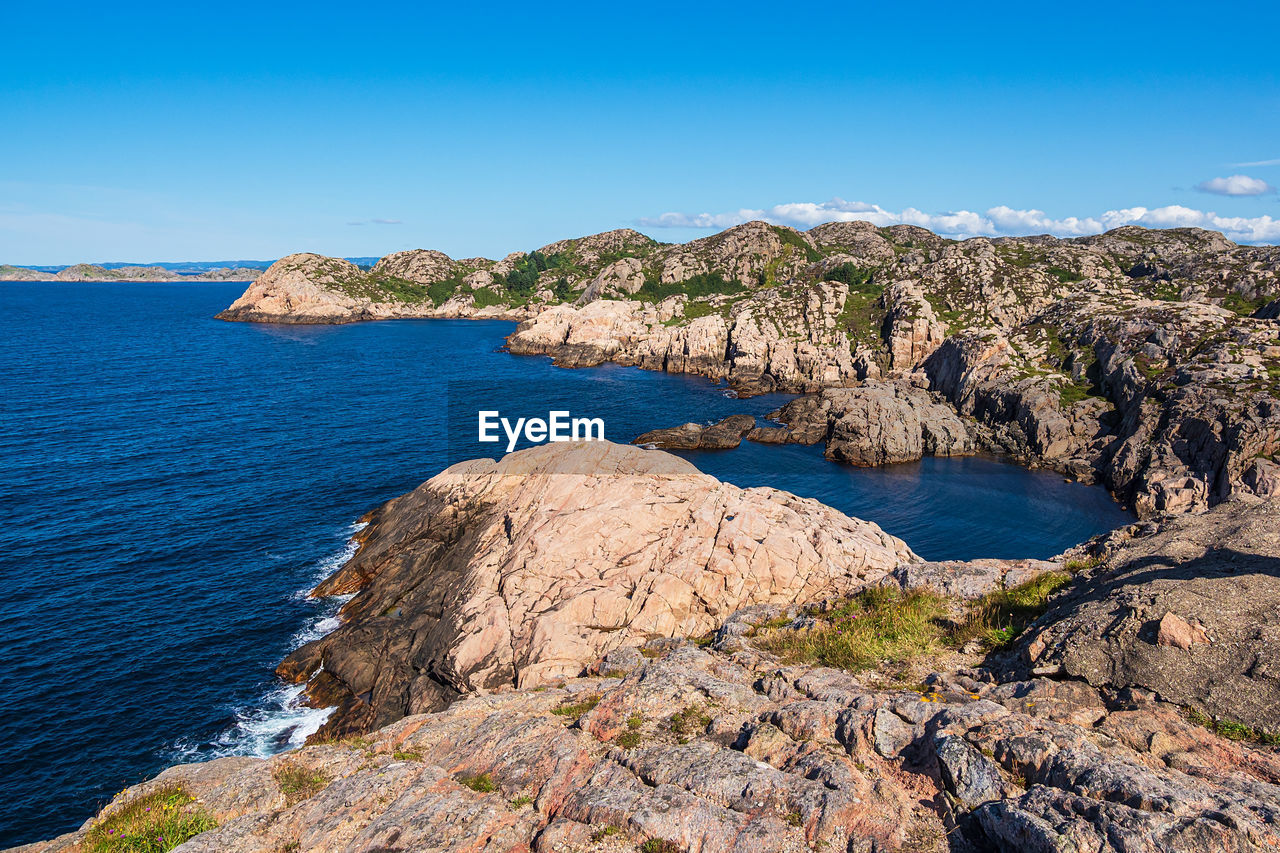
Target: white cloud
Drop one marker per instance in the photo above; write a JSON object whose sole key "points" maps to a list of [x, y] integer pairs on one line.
{"points": [[1275, 162], [995, 222], [1235, 185]]}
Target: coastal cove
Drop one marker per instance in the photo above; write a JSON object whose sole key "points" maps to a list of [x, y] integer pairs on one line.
{"points": [[177, 482]]}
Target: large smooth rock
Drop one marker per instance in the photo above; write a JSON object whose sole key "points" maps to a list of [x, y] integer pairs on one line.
{"points": [[523, 571]]}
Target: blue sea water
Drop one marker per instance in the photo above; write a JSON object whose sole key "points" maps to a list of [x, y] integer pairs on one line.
{"points": [[173, 484]]}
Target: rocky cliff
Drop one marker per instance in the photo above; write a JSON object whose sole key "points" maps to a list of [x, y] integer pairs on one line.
{"points": [[1145, 360], [523, 571], [601, 696]]}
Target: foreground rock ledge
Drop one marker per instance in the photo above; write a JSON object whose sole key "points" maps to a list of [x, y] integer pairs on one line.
{"points": [[521, 572], [708, 752]]}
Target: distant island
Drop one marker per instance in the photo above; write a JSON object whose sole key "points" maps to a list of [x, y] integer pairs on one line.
{"points": [[97, 272]]}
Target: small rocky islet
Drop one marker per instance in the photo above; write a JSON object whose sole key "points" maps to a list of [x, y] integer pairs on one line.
{"points": [[596, 647]]}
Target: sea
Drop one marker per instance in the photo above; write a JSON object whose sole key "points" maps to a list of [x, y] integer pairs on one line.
{"points": [[173, 485]]}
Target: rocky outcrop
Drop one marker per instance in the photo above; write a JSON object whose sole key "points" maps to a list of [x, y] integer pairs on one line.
{"points": [[1145, 360], [301, 288], [1189, 609], [684, 748], [875, 423], [419, 265], [770, 341], [307, 288], [521, 572], [722, 435], [563, 582]]}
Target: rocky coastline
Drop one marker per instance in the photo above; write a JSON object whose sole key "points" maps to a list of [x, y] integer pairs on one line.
{"points": [[598, 648], [1145, 360]]}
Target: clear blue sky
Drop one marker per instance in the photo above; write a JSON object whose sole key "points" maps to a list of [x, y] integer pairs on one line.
{"points": [[171, 131]]}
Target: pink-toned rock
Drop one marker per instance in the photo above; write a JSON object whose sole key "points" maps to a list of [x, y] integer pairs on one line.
{"points": [[524, 571], [1178, 632]]}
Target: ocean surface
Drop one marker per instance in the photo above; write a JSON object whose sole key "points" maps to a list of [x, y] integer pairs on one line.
{"points": [[174, 484]]}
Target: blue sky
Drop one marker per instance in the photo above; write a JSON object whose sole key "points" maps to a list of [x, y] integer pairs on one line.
{"points": [[140, 132]]}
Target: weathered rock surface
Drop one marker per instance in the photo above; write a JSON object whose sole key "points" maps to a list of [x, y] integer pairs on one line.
{"points": [[490, 583], [712, 751], [1146, 360], [874, 423], [722, 435], [1191, 612], [308, 288], [523, 571]]}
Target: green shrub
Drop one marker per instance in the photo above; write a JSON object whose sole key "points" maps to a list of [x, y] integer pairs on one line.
{"points": [[1232, 730], [297, 783], [153, 823], [479, 782], [793, 239], [689, 722], [856, 277], [697, 287], [486, 296], [577, 709]]}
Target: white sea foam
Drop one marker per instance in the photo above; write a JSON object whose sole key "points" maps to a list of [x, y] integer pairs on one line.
{"points": [[282, 720]]}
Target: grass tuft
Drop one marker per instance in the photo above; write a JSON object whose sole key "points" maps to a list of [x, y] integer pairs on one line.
{"points": [[660, 845], [297, 783], [877, 625], [577, 709], [1231, 730], [152, 823], [480, 782], [886, 626], [998, 618], [689, 722]]}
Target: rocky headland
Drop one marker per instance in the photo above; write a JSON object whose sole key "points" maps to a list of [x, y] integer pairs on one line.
{"points": [[598, 648], [1145, 360], [94, 272]]}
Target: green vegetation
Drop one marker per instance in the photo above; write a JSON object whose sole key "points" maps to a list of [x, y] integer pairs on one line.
{"points": [[858, 278], [794, 240], [1064, 276], [479, 782], [1233, 301], [604, 832], [694, 310], [577, 709], [152, 823], [884, 625], [1232, 731], [1077, 565], [660, 845], [689, 723], [406, 755], [297, 783], [792, 818], [998, 618], [562, 289], [877, 625], [697, 287], [629, 740], [520, 802], [487, 296], [522, 281], [862, 316]]}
